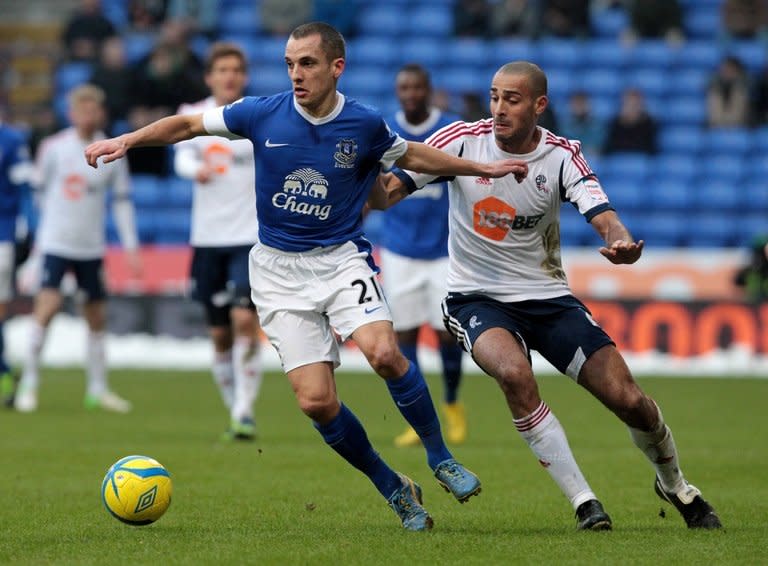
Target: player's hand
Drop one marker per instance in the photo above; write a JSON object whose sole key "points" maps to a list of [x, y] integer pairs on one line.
{"points": [[505, 167], [109, 150], [204, 174], [135, 263], [622, 251]]}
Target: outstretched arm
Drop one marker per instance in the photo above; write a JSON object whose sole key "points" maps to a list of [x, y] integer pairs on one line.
{"points": [[165, 131], [422, 158], [620, 246], [387, 191]]}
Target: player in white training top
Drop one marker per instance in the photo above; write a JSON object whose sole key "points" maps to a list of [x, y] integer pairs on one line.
{"points": [[224, 228], [507, 291], [70, 238], [318, 154]]}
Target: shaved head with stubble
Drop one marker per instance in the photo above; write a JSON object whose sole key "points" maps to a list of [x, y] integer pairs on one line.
{"points": [[518, 97]]}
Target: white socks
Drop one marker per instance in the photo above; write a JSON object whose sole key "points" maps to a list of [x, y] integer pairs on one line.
{"points": [[659, 447], [224, 377], [96, 364], [30, 378], [246, 363], [546, 437]]}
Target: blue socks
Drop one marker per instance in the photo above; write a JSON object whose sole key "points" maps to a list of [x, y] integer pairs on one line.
{"points": [[347, 437], [451, 357], [412, 397]]}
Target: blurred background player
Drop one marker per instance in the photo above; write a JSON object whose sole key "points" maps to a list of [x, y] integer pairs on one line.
{"points": [[224, 228], [414, 258], [70, 238], [14, 173]]}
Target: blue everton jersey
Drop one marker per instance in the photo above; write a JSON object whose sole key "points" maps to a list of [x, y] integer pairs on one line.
{"points": [[14, 163], [417, 226], [313, 175]]}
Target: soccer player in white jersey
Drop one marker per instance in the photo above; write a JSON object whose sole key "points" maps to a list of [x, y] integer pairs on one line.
{"points": [[70, 238], [14, 177], [317, 156], [224, 229], [414, 254], [508, 292]]}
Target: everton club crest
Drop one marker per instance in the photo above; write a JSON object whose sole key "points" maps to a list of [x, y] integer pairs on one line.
{"points": [[346, 153]]}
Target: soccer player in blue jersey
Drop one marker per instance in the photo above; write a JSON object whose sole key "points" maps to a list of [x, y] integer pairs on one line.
{"points": [[14, 172], [414, 258], [317, 155]]}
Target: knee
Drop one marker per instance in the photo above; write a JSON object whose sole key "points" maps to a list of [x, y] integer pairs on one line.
{"points": [[518, 384], [386, 360], [319, 408]]}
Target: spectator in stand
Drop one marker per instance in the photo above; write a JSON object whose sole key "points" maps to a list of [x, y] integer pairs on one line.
{"points": [[341, 14], [650, 19], [633, 129], [472, 18], [115, 78], [86, 31], [581, 124], [473, 107], [171, 75], [279, 17], [744, 19], [728, 100], [515, 18], [760, 110], [753, 277], [565, 18], [146, 15], [548, 119]]}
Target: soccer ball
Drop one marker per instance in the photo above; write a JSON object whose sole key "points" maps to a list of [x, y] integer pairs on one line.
{"points": [[137, 490]]}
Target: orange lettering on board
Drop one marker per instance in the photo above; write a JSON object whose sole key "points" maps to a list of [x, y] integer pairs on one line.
{"points": [[713, 319], [649, 317]]}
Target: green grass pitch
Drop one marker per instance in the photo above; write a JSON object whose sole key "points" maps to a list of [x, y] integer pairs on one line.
{"points": [[288, 499]]}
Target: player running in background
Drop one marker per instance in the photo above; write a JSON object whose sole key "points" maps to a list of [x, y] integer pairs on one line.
{"points": [[14, 174], [224, 228], [414, 258], [317, 156], [70, 238], [508, 292]]}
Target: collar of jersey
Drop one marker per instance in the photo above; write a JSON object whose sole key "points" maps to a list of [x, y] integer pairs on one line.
{"points": [[418, 129], [324, 119]]}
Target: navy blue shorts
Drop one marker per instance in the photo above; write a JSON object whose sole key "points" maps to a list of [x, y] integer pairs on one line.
{"points": [[220, 276], [560, 329], [88, 274]]}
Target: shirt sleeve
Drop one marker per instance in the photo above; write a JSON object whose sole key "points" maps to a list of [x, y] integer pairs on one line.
{"points": [[386, 146], [186, 161], [19, 165], [231, 121], [580, 186]]}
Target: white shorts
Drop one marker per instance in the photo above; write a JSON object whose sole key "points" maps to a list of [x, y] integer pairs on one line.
{"points": [[415, 289], [303, 297], [7, 255]]}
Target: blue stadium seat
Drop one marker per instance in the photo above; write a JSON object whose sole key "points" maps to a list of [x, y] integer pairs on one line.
{"points": [[719, 196], [241, 18], [690, 82], [70, 75], [117, 13], [468, 51], [651, 53], [757, 168], [700, 54], [200, 44], [702, 22], [381, 19], [176, 192], [609, 22], [574, 230], [728, 141], [685, 111], [681, 139], [557, 53], [378, 51], [712, 229], [626, 193], [366, 81], [628, 166], [651, 82], [601, 82], [265, 50], [460, 80], [680, 167], [145, 190], [506, 50], [268, 79], [756, 197], [752, 54], [137, 46], [427, 51], [723, 168], [605, 54], [430, 21], [172, 226], [663, 229], [604, 107], [669, 194], [760, 139], [560, 83], [749, 225]]}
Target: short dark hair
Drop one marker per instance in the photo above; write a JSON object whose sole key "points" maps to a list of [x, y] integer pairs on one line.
{"points": [[417, 69], [533, 72], [331, 40], [222, 49]]}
